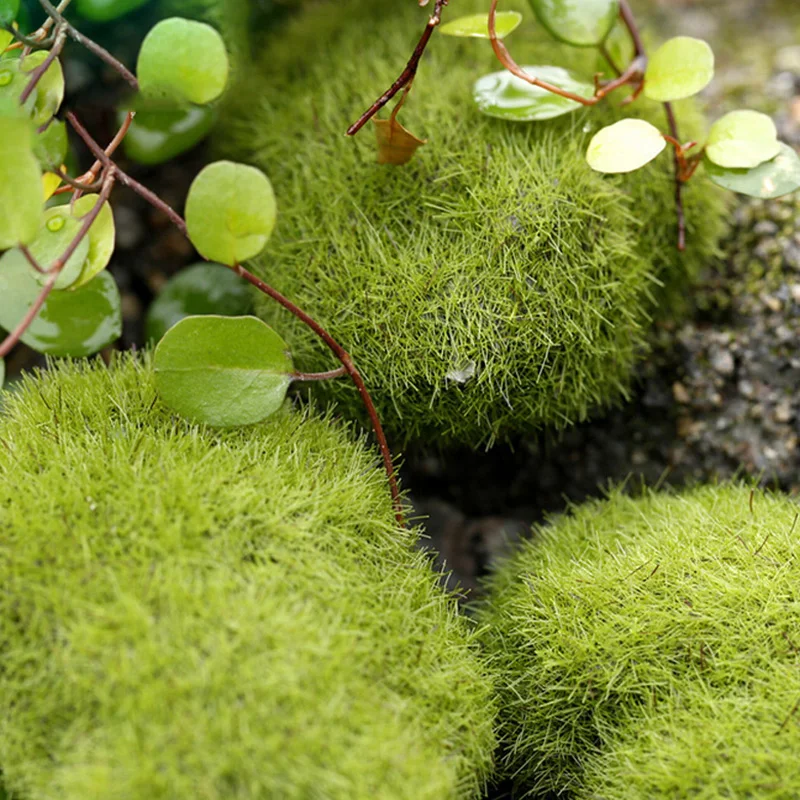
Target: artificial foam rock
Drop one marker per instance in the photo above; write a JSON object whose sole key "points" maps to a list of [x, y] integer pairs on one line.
{"points": [[493, 285], [233, 615], [648, 648]]}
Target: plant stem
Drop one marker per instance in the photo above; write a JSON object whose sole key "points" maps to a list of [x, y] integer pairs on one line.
{"points": [[673, 127], [319, 376], [38, 73], [341, 354], [407, 75], [90, 45]]}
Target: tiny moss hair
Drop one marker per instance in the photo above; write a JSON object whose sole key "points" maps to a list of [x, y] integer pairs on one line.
{"points": [[493, 285], [628, 618], [189, 613]]}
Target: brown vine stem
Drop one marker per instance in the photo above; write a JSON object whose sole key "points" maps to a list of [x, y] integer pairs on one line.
{"points": [[626, 14], [407, 75], [341, 354], [90, 45], [59, 41], [55, 270]]}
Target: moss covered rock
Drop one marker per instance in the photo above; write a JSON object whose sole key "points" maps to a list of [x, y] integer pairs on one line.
{"points": [[195, 614], [645, 647], [493, 285]]}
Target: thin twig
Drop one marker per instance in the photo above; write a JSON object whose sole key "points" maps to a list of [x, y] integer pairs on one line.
{"points": [[627, 17], [90, 45], [407, 75], [633, 73], [37, 74], [341, 354], [55, 270], [673, 127]]}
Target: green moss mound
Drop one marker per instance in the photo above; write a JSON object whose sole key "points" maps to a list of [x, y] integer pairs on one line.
{"points": [[711, 747], [633, 635], [493, 285], [195, 614]]}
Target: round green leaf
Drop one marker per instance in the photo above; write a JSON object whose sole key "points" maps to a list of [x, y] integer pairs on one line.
{"points": [[505, 96], [158, 134], [774, 178], [183, 60], [584, 24], [105, 10], [20, 183], [477, 25], [680, 68], [224, 371], [200, 289], [75, 322], [6, 37], [230, 212], [624, 146], [50, 146], [101, 238], [8, 11], [742, 140], [55, 235]]}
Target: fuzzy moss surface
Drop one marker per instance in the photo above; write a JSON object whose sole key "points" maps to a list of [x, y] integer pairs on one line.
{"points": [[217, 615], [493, 285], [708, 747], [620, 620]]}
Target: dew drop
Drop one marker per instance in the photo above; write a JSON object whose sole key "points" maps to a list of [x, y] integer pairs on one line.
{"points": [[56, 224], [6, 77]]}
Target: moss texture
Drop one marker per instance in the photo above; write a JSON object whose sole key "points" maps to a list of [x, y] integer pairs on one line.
{"points": [[496, 253], [643, 647], [198, 614]]}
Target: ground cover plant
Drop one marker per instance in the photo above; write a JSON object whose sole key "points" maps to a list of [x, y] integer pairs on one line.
{"points": [[648, 648], [217, 614]]}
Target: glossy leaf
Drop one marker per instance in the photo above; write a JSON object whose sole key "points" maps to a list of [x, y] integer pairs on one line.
{"points": [[200, 289], [101, 238], [184, 60], [158, 134], [477, 25], [105, 10], [74, 323], [20, 183], [396, 144], [230, 212], [624, 146], [680, 68], [8, 11], [584, 23], [52, 241], [223, 371], [742, 140], [774, 178], [505, 96], [50, 146]]}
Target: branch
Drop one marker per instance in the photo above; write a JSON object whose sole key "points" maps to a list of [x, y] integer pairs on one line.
{"points": [[90, 45], [38, 73], [673, 128], [407, 75]]}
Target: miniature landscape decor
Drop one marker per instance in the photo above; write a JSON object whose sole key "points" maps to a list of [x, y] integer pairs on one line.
{"points": [[212, 580]]}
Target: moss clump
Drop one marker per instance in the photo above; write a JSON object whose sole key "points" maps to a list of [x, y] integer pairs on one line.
{"points": [[631, 623], [190, 613], [493, 285]]}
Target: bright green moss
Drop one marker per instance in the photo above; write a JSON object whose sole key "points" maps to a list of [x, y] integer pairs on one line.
{"points": [[221, 615], [496, 253], [626, 619], [709, 748]]}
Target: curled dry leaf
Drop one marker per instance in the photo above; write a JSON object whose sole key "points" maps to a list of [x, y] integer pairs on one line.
{"points": [[396, 144]]}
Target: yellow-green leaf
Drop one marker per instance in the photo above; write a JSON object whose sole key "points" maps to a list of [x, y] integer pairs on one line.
{"points": [[680, 68], [742, 140], [477, 25], [624, 146]]}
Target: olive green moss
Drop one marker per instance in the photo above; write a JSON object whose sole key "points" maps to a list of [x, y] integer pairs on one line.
{"points": [[493, 285], [235, 615], [639, 633], [710, 747]]}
